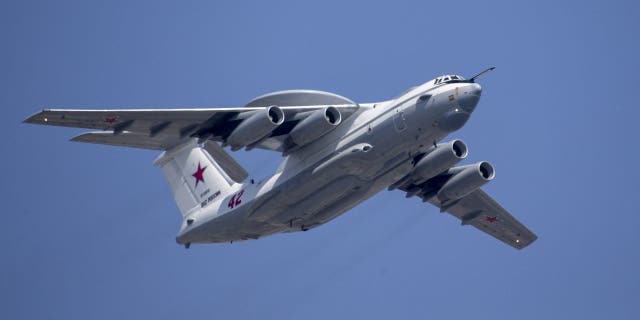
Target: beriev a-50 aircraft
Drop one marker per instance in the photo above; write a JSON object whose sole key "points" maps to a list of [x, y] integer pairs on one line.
{"points": [[337, 153]]}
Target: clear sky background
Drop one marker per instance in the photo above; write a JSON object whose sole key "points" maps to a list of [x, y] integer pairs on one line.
{"points": [[88, 231]]}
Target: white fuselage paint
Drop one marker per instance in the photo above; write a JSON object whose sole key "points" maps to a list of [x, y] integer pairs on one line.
{"points": [[370, 150]]}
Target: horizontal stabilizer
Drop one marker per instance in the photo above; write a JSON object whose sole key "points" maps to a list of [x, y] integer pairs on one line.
{"points": [[229, 165], [127, 139]]}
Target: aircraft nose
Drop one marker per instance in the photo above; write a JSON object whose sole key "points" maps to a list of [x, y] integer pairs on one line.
{"points": [[475, 89], [471, 97]]}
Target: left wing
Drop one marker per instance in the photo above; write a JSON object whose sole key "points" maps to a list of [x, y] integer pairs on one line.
{"points": [[162, 129], [140, 128], [481, 211]]}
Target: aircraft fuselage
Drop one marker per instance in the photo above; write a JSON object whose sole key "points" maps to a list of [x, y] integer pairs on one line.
{"points": [[370, 150]]}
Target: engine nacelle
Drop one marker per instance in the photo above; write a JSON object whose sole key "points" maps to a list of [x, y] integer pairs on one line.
{"points": [[443, 157], [255, 127], [466, 180], [317, 124]]}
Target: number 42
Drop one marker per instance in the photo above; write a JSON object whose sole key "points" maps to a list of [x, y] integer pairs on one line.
{"points": [[235, 200]]}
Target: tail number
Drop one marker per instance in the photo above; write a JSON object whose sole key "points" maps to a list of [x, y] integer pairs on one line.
{"points": [[236, 200]]}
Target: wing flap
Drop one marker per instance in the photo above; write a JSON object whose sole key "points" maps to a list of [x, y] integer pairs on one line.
{"points": [[127, 139]]}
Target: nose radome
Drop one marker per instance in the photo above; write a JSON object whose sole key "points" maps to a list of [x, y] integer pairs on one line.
{"points": [[471, 97], [475, 89]]}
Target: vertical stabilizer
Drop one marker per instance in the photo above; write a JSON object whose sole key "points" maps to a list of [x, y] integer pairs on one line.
{"points": [[194, 176]]}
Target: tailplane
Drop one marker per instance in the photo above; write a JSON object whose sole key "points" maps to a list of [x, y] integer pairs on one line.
{"points": [[198, 175]]}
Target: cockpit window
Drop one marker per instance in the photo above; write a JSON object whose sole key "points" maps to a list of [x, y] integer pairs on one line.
{"points": [[448, 78]]}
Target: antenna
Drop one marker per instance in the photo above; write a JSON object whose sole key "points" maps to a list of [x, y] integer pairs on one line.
{"points": [[473, 79]]}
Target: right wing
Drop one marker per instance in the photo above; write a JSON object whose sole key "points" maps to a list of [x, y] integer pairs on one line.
{"points": [[481, 211]]}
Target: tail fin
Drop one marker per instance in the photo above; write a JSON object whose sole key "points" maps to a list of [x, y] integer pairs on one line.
{"points": [[198, 175]]}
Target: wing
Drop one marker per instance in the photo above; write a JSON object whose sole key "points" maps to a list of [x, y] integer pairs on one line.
{"points": [[141, 128], [481, 211], [162, 129]]}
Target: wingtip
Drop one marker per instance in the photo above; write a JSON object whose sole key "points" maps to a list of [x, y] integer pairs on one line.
{"points": [[37, 118], [77, 138], [526, 244]]}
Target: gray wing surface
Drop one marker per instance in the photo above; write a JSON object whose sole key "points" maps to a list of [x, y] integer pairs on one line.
{"points": [[483, 212], [162, 129], [139, 128]]}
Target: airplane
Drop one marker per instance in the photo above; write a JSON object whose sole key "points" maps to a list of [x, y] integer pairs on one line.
{"points": [[337, 153]]}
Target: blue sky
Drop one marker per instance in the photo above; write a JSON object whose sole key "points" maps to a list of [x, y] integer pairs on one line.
{"points": [[88, 231]]}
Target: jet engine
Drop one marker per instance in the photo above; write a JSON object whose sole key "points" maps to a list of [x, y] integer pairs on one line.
{"points": [[465, 180], [255, 127], [443, 157], [317, 124]]}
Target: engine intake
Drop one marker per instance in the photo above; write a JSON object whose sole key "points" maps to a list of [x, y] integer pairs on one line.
{"points": [[317, 124], [255, 127], [441, 158], [465, 180]]}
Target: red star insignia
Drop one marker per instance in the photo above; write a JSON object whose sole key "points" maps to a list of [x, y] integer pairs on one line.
{"points": [[491, 219], [110, 120], [198, 174]]}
